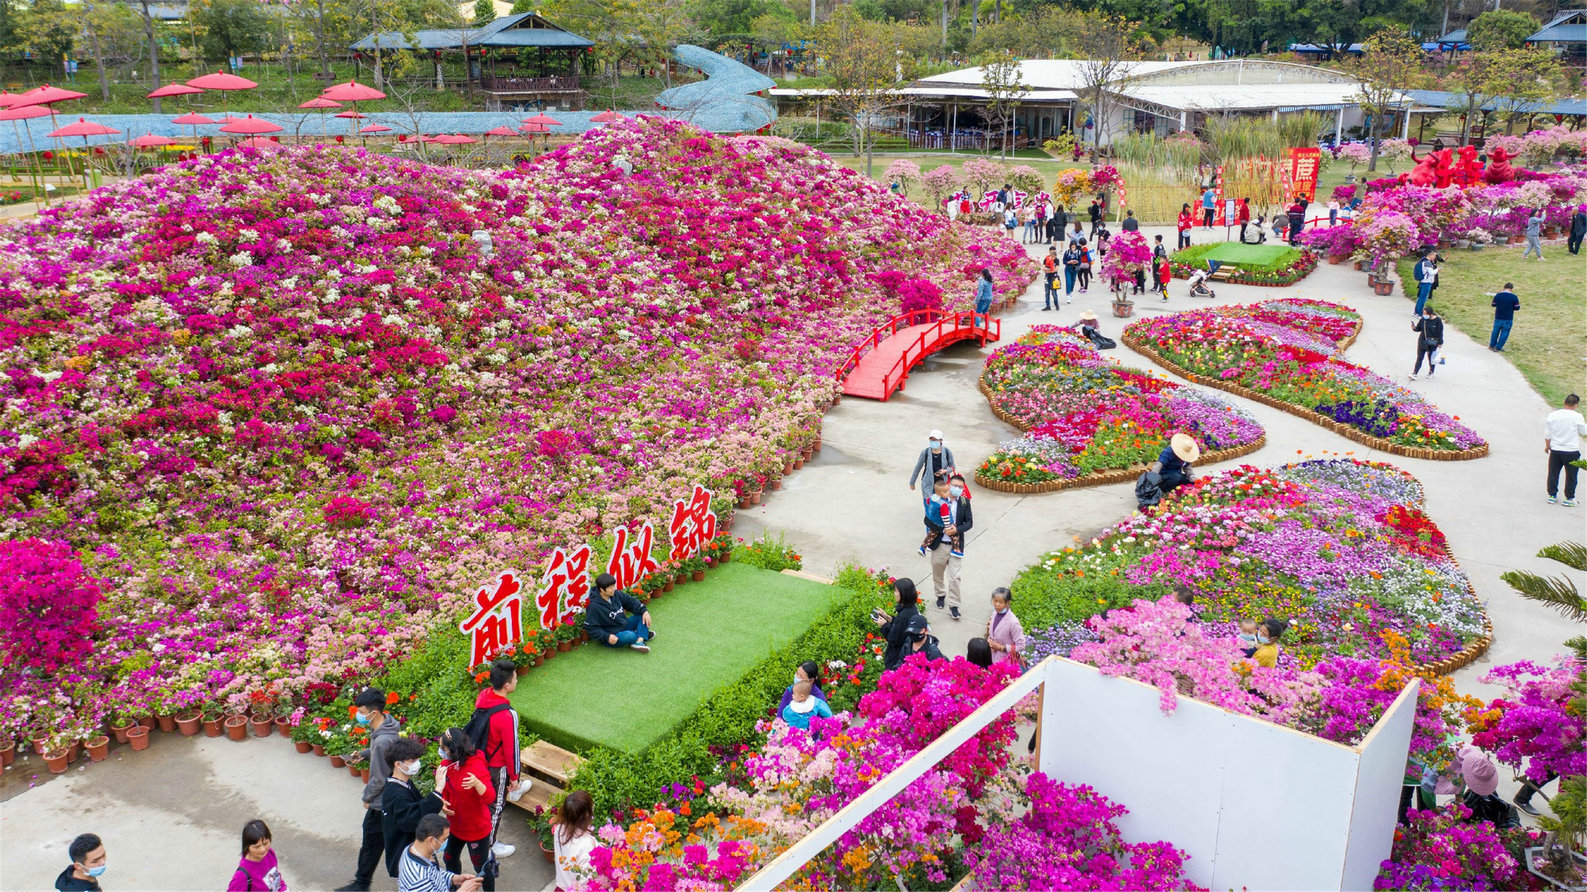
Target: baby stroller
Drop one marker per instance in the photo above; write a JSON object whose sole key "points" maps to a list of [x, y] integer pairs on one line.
{"points": [[1198, 281]]}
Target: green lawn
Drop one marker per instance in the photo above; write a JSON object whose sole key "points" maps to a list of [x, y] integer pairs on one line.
{"points": [[1249, 255], [708, 635], [1549, 341]]}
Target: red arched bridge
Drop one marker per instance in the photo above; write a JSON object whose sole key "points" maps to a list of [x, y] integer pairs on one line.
{"points": [[880, 364]]}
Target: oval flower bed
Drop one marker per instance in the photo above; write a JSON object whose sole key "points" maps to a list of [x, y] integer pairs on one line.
{"points": [[1339, 548], [1290, 267], [1092, 421], [287, 413], [1285, 353]]}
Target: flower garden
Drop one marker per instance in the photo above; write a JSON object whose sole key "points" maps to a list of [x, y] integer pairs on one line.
{"points": [[273, 414], [1089, 420], [1285, 353]]}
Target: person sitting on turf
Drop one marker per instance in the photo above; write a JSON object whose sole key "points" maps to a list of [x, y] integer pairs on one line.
{"points": [[604, 618], [806, 671], [804, 707]]}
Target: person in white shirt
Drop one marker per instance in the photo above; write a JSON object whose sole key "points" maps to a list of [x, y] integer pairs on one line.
{"points": [[419, 872], [572, 841], [1564, 429]]}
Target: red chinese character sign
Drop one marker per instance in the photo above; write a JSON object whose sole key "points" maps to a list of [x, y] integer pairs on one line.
{"points": [[1303, 167], [496, 622], [631, 558], [693, 524], [565, 587]]}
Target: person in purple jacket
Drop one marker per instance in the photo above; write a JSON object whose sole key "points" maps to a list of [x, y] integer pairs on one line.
{"points": [[806, 671], [258, 869]]}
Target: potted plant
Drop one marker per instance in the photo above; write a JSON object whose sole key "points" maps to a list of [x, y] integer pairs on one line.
{"points": [[8, 753], [98, 747], [187, 722], [138, 737], [56, 759], [120, 725], [211, 715], [283, 720], [565, 633], [1560, 860], [1123, 307], [236, 725], [304, 735], [540, 823]]}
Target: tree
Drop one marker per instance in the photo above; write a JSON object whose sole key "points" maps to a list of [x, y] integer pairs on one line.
{"points": [[1042, 33], [862, 60], [145, 11], [519, 6], [48, 28], [231, 27], [660, 26], [112, 32], [1500, 29], [1392, 64], [484, 13], [1107, 52], [1000, 78], [1521, 81]]}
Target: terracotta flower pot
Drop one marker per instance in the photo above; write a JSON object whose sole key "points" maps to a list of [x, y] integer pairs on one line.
{"points": [[121, 731], [539, 659], [317, 749], [548, 852], [742, 503], [754, 496], [698, 576], [774, 484], [167, 722], [139, 738], [564, 646], [521, 671], [237, 727], [798, 463], [212, 728], [149, 722], [56, 761], [363, 775], [8, 753], [301, 745], [283, 726], [36, 739], [187, 723], [668, 586], [338, 762], [262, 727], [787, 468], [99, 748], [73, 751], [352, 770]]}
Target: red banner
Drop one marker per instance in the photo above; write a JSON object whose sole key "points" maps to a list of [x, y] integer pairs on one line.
{"points": [[1303, 168]]}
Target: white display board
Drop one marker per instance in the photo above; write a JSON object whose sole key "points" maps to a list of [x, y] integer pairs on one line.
{"points": [[1255, 805]]}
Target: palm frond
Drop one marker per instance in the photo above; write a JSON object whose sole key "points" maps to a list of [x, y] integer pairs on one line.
{"points": [[1571, 554], [1556, 592]]}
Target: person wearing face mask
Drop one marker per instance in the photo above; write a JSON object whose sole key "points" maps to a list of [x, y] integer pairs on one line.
{"points": [[88, 865], [806, 671], [401, 805], [921, 641], [1004, 633], [948, 518], [467, 788], [1267, 634], [935, 463], [895, 628], [1247, 637], [383, 732], [258, 869], [420, 873]]}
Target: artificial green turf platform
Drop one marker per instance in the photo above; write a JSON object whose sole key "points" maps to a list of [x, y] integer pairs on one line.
{"points": [[1236, 254], [709, 634]]}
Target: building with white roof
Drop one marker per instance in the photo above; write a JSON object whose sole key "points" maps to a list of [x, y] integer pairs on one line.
{"points": [[1160, 97]]}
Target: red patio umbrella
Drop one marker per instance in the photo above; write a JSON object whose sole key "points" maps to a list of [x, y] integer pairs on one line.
{"points": [[173, 90], [375, 128], [151, 141], [608, 117], [501, 131], [250, 125], [352, 91], [7, 99], [45, 95], [353, 115], [542, 118], [84, 128], [193, 119], [454, 139], [535, 128], [322, 103], [22, 113], [260, 142], [222, 81]]}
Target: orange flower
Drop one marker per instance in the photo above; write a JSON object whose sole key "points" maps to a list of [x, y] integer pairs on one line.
{"points": [[393, 698]]}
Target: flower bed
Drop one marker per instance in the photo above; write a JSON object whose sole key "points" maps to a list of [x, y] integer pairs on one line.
{"points": [[1284, 353], [1288, 269], [1091, 421], [287, 413], [1341, 549]]}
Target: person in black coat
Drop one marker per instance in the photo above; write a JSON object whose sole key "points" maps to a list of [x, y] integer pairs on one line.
{"points": [[1578, 230], [1057, 224], [895, 628], [1096, 217], [616, 618], [401, 806], [1430, 329]]}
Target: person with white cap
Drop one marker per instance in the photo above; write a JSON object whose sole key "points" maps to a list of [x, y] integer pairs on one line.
{"points": [[935, 463], [1174, 464]]}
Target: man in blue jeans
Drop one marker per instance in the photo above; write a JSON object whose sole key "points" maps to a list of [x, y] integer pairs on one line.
{"points": [[617, 619], [1505, 303]]}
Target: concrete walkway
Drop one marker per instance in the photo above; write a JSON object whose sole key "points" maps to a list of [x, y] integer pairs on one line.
{"points": [[172, 816]]}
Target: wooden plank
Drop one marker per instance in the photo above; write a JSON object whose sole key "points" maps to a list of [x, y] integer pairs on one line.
{"points": [[539, 796], [810, 576], [550, 760]]}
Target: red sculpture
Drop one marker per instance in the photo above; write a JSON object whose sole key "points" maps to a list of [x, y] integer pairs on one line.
{"points": [[1468, 170], [1444, 169], [1425, 173], [1499, 169]]}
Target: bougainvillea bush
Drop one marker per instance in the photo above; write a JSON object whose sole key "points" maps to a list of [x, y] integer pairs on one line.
{"points": [[1538, 726], [286, 412], [1084, 413], [1342, 549], [1287, 350], [1446, 851]]}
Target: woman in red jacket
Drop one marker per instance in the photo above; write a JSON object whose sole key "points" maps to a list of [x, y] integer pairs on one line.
{"points": [[468, 791], [1186, 220]]}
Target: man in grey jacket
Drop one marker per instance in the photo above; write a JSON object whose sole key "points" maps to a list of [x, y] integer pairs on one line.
{"points": [[383, 732], [935, 463]]}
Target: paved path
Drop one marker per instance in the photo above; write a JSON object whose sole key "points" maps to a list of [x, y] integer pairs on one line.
{"points": [[172, 816]]}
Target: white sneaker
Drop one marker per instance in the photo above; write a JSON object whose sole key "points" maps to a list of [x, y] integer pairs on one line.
{"points": [[516, 793], [1569, 503], [502, 850]]}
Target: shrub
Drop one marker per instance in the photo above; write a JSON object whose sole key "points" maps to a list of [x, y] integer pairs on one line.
{"points": [[48, 605]]}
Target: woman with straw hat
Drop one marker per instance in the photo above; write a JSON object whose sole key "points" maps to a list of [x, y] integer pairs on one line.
{"points": [[1088, 328], [1173, 466]]}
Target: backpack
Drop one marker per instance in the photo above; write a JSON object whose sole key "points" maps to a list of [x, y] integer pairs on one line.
{"points": [[478, 727]]}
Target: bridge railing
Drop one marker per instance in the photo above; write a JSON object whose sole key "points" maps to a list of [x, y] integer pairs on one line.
{"points": [[942, 325]]}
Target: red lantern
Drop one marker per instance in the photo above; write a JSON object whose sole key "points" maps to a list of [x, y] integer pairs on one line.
{"points": [[339, 139]]}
